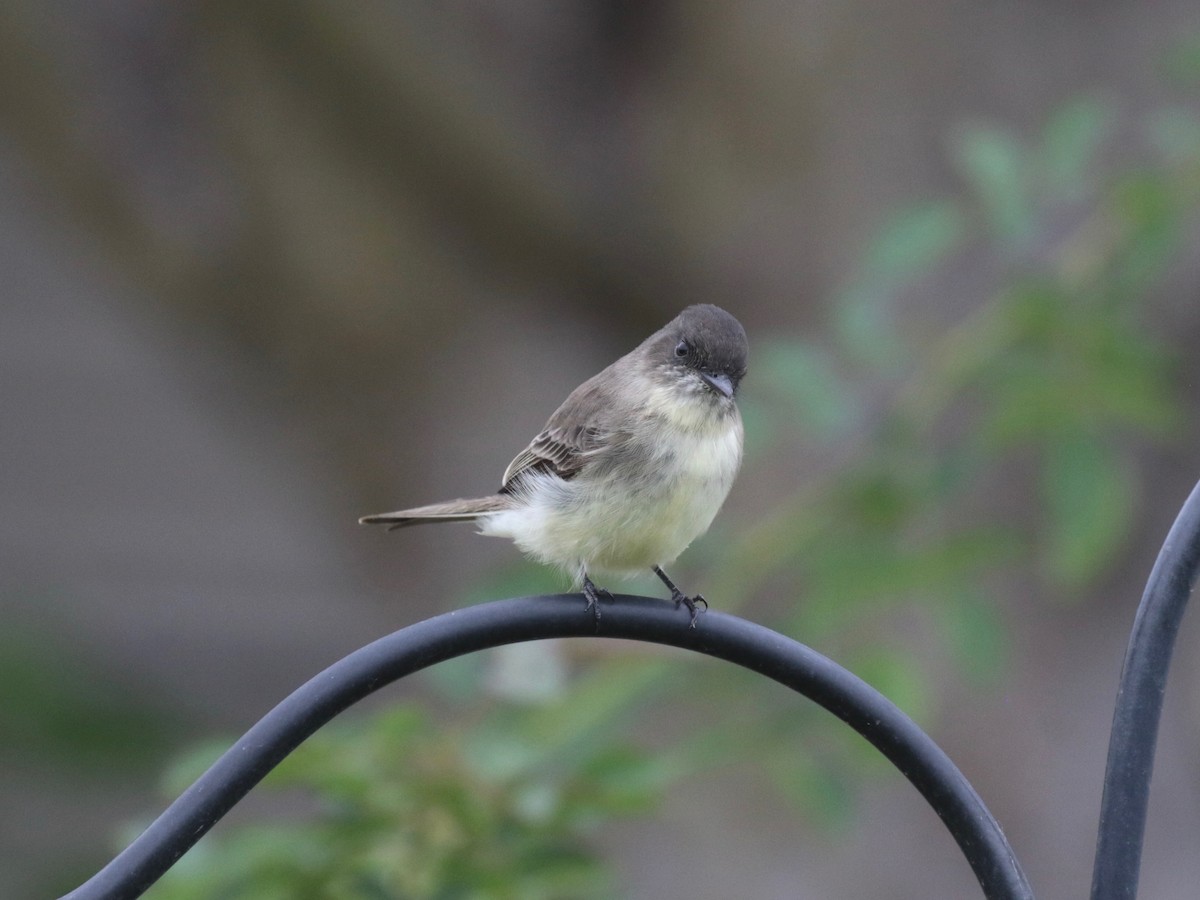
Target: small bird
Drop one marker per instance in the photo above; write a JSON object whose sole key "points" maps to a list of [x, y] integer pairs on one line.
{"points": [[631, 468]]}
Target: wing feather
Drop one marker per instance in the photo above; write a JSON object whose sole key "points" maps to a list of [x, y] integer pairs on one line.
{"points": [[586, 425], [561, 451]]}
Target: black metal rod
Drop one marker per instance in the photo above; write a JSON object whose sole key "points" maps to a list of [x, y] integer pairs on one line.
{"points": [[1139, 706], [534, 618]]}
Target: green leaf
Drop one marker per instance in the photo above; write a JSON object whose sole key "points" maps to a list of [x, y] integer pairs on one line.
{"points": [[897, 676], [995, 167], [811, 785], [802, 376], [516, 741], [864, 328], [975, 634], [624, 781], [1088, 496], [1069, 144], [914, 241], [871, 571], [1147, 207]]}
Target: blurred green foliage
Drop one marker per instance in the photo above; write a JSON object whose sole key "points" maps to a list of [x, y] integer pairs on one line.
{"points": [[67, 715], [925, 446], [404, 814], [497, 806]]}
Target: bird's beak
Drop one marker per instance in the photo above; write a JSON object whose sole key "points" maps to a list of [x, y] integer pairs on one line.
{"points": [[720, 383]]}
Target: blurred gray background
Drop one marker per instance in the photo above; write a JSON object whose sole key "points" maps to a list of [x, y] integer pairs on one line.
{"points": [[272, 266]]}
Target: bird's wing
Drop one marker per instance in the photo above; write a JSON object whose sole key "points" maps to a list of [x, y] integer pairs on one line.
{"points": [[559, 450], [584, 426]]}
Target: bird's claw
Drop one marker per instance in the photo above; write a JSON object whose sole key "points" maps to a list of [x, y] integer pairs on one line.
{"points": [[692, 604], [593, 595]]}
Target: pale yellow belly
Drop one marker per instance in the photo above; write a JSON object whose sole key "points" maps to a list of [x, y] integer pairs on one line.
{"points": [[609, 525]]}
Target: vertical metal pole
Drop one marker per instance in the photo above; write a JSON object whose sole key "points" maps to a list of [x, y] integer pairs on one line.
{"points": [[1139, 705]]}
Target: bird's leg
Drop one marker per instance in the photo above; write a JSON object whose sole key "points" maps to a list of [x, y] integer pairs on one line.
{"points": [[680, 597], [593, 595]]}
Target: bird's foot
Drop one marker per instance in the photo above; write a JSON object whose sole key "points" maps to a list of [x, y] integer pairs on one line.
{"points": [[693, 604], [681, 598], [593, 595]]}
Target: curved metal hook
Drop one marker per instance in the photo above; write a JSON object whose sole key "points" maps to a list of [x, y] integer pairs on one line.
{"points": [[534, 618]]}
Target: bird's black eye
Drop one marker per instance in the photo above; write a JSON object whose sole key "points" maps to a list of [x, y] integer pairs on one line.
{"points": [[682, 349]]}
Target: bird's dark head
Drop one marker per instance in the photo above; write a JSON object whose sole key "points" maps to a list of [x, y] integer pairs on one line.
{"points": [[704, 341]]}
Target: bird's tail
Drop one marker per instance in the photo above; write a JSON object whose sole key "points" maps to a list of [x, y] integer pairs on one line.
{"points": [[450, 511]]}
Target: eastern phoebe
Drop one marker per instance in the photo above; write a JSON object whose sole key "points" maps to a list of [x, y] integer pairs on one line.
{"points": [[631, 468]]}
